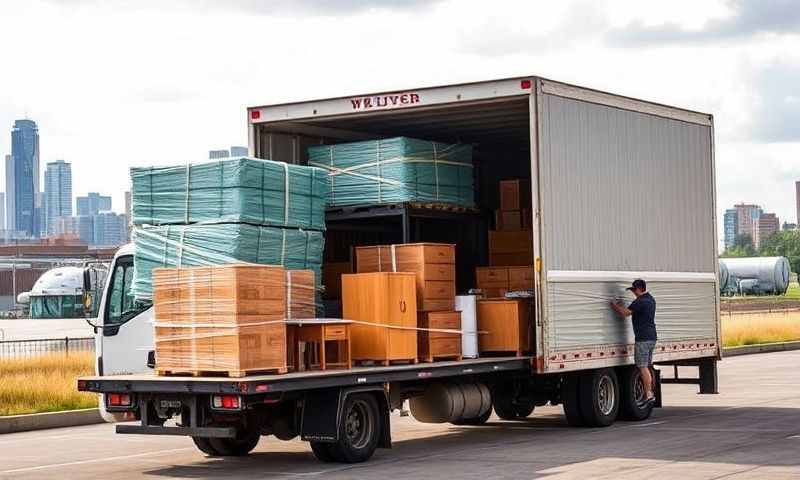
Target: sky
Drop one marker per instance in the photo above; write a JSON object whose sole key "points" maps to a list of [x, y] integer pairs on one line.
{"points": [[120, 83]]}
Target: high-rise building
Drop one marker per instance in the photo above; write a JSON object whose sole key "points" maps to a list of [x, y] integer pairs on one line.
{"points": [[731, 227], [747, 215], [25, 174], [92, 204], [10, 224], [57, 193], [110, 229], [81, 226], [797, 199], [768, 224], [217, 154], [128, 215], [3, 212], [238, 151]]}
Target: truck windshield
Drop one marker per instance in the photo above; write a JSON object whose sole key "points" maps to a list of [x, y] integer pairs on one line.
{"points": [[121, 305]]}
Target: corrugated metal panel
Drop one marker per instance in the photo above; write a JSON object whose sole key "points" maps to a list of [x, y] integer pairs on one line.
{"points": [[581, 316], [623, 190]]}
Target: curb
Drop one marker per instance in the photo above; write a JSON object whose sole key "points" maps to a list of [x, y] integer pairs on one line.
{"points": [[40, 421], [760, 348]]}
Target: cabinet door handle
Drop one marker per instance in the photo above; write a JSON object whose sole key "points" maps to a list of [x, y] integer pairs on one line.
{"points": [[403, 306]]}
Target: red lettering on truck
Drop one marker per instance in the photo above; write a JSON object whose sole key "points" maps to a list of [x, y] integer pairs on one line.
{"points": [[384, 101]]}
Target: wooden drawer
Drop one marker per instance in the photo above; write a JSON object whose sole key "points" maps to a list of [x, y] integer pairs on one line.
{"points": [[335, 332], [438, 290], [487, 275], [511, 242], [439, 320]]}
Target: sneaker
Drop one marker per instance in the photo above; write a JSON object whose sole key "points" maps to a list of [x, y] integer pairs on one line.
{"points": [[647, 403]]}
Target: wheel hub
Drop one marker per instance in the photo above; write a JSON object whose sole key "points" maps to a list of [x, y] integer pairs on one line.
{"points": [[605, 395]]}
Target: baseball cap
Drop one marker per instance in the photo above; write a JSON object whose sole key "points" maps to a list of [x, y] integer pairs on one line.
{"points": [[638, 283]]}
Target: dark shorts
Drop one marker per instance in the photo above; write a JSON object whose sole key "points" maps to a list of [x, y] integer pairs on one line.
{"points": [[643, 354]]}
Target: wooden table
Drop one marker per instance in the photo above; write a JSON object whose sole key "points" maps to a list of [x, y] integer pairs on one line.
{"points": [[318, 332]]}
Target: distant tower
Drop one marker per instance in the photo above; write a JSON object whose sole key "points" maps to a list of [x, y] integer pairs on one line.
{"points": [[11, 223], [57, 193], [25, 173], [797, 199], [217, 154], [238, 151], [92, 204]]}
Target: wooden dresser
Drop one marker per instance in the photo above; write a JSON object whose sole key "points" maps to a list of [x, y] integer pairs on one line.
{"points": [[504, 326], [434, 345], [432, 263], [386, 300]]}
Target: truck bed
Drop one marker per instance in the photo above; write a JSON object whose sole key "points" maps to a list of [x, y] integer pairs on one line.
{"points": [[259, 384]]}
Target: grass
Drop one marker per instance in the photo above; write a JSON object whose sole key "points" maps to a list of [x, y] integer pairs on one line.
{"points": [[44, 384], [760, 327]]}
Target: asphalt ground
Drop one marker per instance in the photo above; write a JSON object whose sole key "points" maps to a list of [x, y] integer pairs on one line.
{"points": [[750, 430]]}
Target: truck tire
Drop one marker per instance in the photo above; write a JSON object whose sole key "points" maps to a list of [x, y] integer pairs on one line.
{"points": [[322, 451], [359, 429], [244, 443], [631, 393], [570, 399], [599, 397], [506, 409], [203, 444]]}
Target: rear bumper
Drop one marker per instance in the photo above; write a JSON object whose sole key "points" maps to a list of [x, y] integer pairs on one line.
{"points": [[208, 432]]}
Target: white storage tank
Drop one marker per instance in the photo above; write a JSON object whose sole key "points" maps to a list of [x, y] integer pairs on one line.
{"points": [[724, 276], [771, 273]]}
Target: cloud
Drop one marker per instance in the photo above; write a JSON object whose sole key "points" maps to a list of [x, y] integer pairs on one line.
{"points": [[255, 7], [776, 116], [749, 18]]}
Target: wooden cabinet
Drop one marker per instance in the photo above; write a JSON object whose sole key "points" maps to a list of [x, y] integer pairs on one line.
{"points": [[438, 344], [378, 303], [504, 326], [433, 264], [515, 194]]}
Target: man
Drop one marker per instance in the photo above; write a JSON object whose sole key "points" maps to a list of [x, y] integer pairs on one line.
{"points": [[643, 313]]}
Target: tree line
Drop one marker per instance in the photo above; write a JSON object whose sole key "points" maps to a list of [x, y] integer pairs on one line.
{"points": [[785, 243]]}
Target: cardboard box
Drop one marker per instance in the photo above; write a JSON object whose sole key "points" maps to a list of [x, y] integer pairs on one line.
{"points": [[510, 248], [515, 194], [512, 220]]}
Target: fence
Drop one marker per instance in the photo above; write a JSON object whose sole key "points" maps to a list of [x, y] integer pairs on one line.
{"points": [[45, 346]]}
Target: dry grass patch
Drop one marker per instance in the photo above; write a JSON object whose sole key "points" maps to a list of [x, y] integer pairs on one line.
{"points": [[44, 384], [763, 327]]}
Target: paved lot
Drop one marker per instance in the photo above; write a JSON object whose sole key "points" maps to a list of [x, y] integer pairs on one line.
{"points": [[751, 430]]}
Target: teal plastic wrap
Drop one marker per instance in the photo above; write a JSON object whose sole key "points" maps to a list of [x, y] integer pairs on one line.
{"points": [[220, 244], [232, 190], [396, 170]]}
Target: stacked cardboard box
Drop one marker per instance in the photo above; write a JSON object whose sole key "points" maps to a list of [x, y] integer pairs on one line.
{"points": [[433, 265], [496, 281], [511, 243]]}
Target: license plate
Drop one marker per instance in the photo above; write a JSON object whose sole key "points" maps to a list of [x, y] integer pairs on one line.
{"points": [[170, 403]]}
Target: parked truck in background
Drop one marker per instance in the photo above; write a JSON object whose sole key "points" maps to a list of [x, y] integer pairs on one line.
{"points": [[620, 189]]}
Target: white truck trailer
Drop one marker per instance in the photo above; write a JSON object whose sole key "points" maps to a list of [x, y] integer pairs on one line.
{"points": [[620, 189]]}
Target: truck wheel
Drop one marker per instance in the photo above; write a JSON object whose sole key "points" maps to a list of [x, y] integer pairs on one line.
{"points": [[359, 430], [245, 441], [203, 444], [631, 393], [322, 451], [599, 397], [506, 409], [570, 400]]}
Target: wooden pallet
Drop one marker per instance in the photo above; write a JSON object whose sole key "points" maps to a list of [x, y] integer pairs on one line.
{"points": [[385, 363], [220, 373], [435, 358]]}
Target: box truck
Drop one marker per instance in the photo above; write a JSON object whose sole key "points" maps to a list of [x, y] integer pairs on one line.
{"points": [[620, 189]]}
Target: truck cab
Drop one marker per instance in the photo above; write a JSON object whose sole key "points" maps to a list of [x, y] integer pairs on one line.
{"points": [[124, 330]]}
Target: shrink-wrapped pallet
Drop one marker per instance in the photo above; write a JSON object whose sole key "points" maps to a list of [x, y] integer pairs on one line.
{"points": [[261, 192], [221, 244], [395, 170]]}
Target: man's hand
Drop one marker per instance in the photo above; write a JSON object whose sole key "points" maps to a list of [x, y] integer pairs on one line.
{"points": [[621, 311]]}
